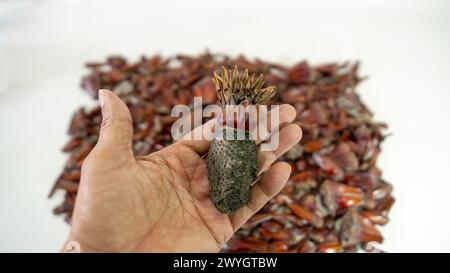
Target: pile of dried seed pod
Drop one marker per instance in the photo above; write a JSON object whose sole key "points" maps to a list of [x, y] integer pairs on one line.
{"points": [[335, 197]]}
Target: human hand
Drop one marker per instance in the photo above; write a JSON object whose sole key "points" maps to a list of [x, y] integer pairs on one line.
{"points": [[160, 202]]}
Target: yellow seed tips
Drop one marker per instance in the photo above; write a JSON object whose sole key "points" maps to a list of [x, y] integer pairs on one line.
{"points": [[233, 88]]}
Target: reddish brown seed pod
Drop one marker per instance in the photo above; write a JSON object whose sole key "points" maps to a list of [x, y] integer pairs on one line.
{"points": [[337, 196]]}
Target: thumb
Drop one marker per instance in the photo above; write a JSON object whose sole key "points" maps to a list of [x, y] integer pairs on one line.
{"points": [[116, 132]]}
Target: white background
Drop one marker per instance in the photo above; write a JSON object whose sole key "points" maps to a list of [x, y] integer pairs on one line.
{"points": [[404, 47]]}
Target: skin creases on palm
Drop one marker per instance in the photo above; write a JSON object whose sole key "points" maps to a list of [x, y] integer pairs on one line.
{"points": [[160, 202]]}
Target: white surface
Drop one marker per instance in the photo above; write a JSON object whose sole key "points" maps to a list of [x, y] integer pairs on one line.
{"points": [[404, 48]]}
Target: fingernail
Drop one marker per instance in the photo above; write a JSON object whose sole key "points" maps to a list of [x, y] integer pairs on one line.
{"points": [[101, 97]]}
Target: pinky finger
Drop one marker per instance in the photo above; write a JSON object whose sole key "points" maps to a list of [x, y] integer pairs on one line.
{"points": [[270, 184]]}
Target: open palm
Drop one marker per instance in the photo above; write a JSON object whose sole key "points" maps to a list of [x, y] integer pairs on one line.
{"points": [[160, 202]]}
